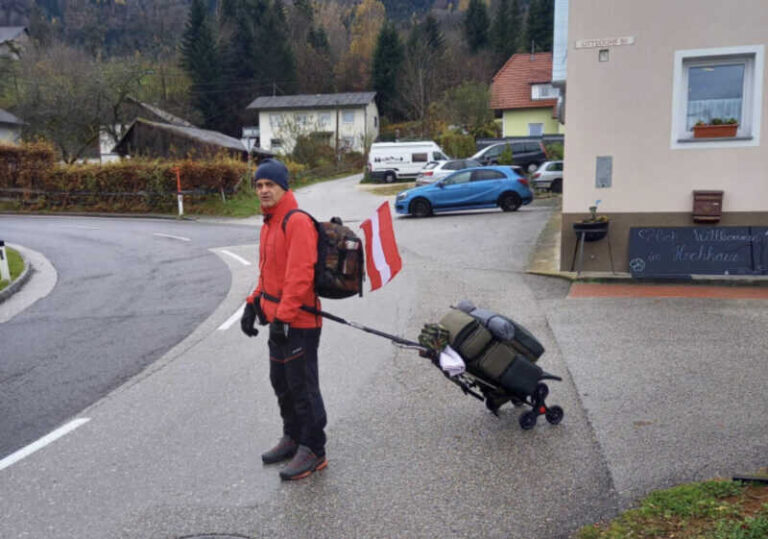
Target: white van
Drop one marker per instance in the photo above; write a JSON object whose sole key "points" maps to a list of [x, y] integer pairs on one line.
{"points": [[390, 161]]}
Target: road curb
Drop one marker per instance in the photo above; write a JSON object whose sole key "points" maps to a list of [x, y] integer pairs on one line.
{"points": [[20, 281], [103, 214]]}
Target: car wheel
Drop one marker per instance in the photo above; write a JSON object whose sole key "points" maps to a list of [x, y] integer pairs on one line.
{"points": [[556, 186], [510, 202], [389, 177], [532, 167], [421, 208]]}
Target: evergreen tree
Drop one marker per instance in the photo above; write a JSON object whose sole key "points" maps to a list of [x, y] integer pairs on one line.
{"points": [[387, 60], [506, 30], [476, 26], [422, 71], [275, 62], [238, 63], [199, 59], [318, 39], [540, 25], [432, 34]]}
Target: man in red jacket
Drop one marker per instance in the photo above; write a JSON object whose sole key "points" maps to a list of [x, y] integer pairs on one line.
{"points": [[287, 256]]}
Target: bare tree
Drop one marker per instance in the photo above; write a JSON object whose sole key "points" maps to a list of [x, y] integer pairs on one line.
{"points": [[68, 97]]}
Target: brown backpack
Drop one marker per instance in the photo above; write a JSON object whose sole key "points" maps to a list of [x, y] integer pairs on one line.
{"points": [[340, 267]]}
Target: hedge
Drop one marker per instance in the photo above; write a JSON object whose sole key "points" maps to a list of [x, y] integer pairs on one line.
{"points": [[29, 174], [21, 166]]}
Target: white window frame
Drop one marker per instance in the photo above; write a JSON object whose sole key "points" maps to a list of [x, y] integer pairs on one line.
{"points": [[540, 129], [323, 119], [344, 117], [544, 91], [276, 119], [752, 99], [302, 119]]}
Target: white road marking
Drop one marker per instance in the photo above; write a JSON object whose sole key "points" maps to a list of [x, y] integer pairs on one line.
{"points": [[236, 257], [42, 442], [85, 227], [180, 238], [232, 319]]}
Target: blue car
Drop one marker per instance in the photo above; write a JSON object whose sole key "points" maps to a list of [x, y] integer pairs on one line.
{"points": [[483, 187]]}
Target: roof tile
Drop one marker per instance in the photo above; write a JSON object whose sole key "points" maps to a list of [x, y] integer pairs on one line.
{"points": [[511, 86]]}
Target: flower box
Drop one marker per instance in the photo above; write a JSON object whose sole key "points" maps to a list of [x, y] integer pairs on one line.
{"points": [[715, 131]]}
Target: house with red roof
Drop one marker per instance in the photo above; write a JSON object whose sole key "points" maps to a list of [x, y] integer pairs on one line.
{"points": [[522, 90]]}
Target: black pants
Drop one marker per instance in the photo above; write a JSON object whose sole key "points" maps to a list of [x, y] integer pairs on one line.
{"points": [[294, 376]]}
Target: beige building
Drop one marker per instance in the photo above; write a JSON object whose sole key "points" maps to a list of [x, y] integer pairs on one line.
{"points": [[640, 75]]}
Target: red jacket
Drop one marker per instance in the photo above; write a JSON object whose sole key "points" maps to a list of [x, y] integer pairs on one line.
{"points": [[287, 265]]}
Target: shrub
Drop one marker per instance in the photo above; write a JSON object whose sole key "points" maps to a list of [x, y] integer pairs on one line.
{"points": [[311, 149], [457, 145], [506, 157], [353, 160], [26, 165], [128, 185], [554, 151]]}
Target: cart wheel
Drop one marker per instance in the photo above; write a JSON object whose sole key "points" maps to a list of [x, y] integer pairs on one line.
{"points": [[554, 415], [528, 420], [541, 392]]}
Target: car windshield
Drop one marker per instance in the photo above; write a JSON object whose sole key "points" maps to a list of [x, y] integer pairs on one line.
{"points": [[430, 165]]}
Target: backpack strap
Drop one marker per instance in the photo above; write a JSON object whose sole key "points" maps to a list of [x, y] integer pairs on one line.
{"points": [[297, 210]]}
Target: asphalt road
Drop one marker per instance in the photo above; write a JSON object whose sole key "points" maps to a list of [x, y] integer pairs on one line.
{"points": [[125, 295], [655, 392]]}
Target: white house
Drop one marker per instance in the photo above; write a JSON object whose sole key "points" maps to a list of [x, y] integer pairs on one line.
{"points": [[10, 128], [640, 75], [348, 121], [13, 40]]}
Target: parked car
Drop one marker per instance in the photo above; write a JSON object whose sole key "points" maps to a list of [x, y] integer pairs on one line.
{"points": [[391, 161], [436, 170], [528, 154], [549, 176], [484, 187]]}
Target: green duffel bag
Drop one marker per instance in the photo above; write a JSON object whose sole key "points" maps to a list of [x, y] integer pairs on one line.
{"points": [[495, 360], [467, 336]]}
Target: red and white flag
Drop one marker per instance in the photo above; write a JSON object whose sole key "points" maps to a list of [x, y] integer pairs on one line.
{"points": [[381, 256]]}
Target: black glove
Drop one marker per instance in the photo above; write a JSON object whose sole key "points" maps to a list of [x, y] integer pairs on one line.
{"points": [[262, 318], [248, 320], [278, 331]]}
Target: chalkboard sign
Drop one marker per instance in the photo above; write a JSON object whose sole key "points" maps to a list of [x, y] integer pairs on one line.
{"points": [[685, 251]]}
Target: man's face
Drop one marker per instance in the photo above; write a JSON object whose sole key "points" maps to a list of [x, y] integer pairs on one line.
{"points": [[269, 192]]}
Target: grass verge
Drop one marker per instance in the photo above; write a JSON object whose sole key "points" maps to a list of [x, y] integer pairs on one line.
{"points": [[705, 510], [15, 265], [245, 202]]}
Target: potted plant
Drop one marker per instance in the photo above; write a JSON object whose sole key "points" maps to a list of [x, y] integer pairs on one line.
{"points": [[594, 227], [716, 128]]}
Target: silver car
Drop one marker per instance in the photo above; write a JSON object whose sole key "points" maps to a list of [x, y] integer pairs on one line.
{"points": [[436, 170], [549, 176]]}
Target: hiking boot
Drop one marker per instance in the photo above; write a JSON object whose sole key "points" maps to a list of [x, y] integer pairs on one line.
{"points": [[303, 464], [285, 449]]}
